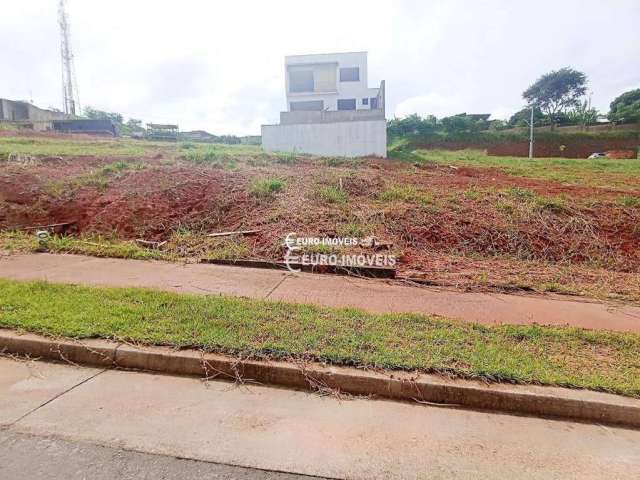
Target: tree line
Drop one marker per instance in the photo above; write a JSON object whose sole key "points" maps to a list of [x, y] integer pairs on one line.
{"points": [[557, 98]]}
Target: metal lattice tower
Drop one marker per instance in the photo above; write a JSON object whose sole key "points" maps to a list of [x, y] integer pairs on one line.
{"points": [[69, 84]]}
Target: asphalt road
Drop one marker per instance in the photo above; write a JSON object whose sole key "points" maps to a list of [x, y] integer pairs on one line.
{"points": [[32, 457]]}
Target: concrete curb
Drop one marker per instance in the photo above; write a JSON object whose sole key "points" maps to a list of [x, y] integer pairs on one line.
{"points": [[556, 402]]}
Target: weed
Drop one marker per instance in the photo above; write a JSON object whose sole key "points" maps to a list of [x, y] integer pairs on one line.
{"points": [[227, 250], [551, 204], [288, 158], [505, 207], [472, 194], [187, 145], [266, 187], [405, 194], [520, 193], [331, 194], [115, 167], [352, 229], [629, 201]]}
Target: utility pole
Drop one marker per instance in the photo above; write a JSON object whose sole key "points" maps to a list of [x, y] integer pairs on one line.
{"points": [[531, 134], [69, 84]]}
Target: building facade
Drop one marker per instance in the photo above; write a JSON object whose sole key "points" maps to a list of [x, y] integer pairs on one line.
{"points": [[329, 82], [27, 114], [331, 110]]}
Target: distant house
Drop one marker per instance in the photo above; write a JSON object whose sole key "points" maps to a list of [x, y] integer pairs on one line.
{"points": [[198, 136], [28, 115], [331, 110]]}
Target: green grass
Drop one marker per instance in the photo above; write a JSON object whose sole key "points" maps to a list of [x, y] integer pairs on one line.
{"points": [[353, 229], [72, 146], [594, 172], [266, 187], [630, 201], [527, 354], [331, 194], [94, 245], [406, 193], [211, 157]]}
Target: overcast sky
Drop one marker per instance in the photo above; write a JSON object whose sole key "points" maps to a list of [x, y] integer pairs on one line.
{"points": [[218, 65]]}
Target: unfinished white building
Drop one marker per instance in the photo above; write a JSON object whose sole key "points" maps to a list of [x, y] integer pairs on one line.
{"points": [[331, 110]]}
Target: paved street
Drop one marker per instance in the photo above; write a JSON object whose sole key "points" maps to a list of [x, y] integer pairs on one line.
{"points": [[327, 290], [278, 430], [49, 458]]}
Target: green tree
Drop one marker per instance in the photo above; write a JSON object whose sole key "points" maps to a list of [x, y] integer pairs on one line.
{"points": [[557, 91], [626, 107], [95, 114], [523, 117], [583, 114], [465, 123]]}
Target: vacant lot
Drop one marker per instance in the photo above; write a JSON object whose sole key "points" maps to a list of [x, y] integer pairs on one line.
{"points": [[454, 218]]}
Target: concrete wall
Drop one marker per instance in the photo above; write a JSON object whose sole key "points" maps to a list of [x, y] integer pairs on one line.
{"points": [[20, 111], [307, 116], [339, 139]]}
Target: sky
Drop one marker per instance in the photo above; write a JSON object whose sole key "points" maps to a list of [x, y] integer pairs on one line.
{"points": [[219, 65]]}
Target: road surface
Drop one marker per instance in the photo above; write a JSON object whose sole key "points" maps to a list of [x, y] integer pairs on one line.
{"points": [[277, 430]]}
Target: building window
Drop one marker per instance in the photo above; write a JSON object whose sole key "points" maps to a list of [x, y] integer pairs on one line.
{"points": [[301, 81], [365, 101], [347, 104], [315, 105], [350, 74], [374, 102]]}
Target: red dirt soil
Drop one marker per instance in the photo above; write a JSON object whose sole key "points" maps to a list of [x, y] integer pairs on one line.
{"points": [[441, 242]]}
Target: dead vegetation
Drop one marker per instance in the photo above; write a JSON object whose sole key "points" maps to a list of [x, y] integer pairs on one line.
{"points": [[465, 226]]}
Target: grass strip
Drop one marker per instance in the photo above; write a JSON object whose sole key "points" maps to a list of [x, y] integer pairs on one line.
{"points": [[598, 172], [606, 361]]}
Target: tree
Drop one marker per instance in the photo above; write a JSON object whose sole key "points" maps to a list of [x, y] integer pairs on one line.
{"points": [[95, 114], [626, 107], [583, 114], [523, 117], [464, 123], [412, 125], [557, 91]]}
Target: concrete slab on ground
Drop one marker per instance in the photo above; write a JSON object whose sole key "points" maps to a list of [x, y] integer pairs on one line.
{"points": [[270, 428], [378, 296], [25, 385]]}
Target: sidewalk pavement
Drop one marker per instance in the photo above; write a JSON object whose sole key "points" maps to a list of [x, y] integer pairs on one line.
{"points": [[289, 431], [379, 296]]}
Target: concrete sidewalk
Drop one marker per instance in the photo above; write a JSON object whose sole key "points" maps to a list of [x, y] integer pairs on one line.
{"points": [[288, 431], [327, 290]]}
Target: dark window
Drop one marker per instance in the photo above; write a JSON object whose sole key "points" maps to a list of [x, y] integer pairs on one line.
{"points": [[301, 81], [365, 101], [350, 74], [374, 102], [309, 105], [347, 104]]}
